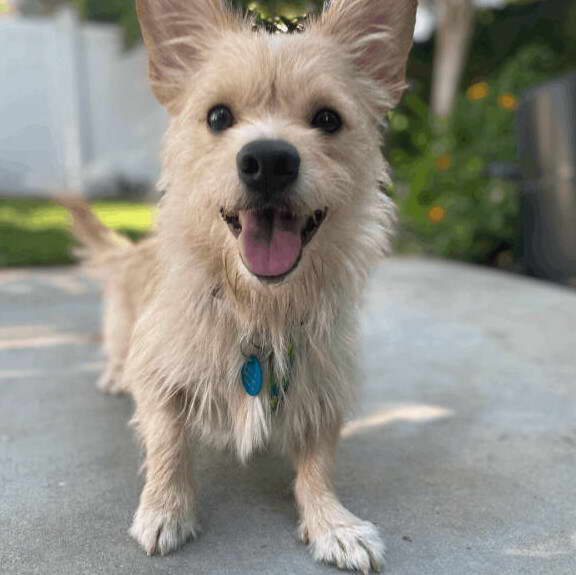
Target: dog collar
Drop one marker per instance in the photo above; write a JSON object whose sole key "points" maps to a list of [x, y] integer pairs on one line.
{"points": [[253, 377]]}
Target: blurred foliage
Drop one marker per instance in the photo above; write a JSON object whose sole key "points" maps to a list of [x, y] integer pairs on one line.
{"points": [[268, 9], [37, 232], [450, 205]]}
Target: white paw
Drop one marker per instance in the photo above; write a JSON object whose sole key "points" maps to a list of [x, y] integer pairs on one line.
{"points": [[159, 532], [355, 547], [110, 382]]}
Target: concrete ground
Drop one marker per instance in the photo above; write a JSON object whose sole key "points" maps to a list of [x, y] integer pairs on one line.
{"points": [[463, 448]]}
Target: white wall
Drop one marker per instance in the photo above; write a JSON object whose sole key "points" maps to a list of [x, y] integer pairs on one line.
{"points": [[75, 110]]}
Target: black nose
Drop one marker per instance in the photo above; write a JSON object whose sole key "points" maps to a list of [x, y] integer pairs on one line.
{"points": [[268, 166]]}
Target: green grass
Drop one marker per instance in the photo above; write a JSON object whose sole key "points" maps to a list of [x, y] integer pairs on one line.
{"points": [[36, 232]]}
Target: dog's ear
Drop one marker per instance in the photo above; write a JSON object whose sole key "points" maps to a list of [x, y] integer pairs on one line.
{"points": [[379, 33], [178, 34]]}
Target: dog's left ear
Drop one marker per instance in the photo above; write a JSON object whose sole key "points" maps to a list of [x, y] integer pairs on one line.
{"points": [[379, 33]]}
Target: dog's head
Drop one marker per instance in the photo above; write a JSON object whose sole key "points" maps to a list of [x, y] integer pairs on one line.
{"points": [[272, 161]]}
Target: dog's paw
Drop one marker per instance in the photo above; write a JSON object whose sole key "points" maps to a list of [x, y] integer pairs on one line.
{"points": [[110, 382], [355, 547], [160, 533]]}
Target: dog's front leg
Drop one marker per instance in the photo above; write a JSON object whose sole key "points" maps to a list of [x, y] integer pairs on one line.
{"points": [[334, 534], [165, 517]]}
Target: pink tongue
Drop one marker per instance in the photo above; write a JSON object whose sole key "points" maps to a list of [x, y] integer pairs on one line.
{"points": [[270, 242]]}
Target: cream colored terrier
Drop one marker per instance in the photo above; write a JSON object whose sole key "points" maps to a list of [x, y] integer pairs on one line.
{"points": [[236, 322]]}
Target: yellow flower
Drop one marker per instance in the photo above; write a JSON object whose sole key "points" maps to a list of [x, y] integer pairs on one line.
{"points": [[443, 162], [436, 214], [478, 91], [508, 101]]}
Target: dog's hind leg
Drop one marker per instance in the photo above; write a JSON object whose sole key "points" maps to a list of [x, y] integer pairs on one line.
{"points": [[117, 329], [333, 533], [165, 518]]}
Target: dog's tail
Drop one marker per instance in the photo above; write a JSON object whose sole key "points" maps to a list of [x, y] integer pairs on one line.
{"points": [[97, 240]]}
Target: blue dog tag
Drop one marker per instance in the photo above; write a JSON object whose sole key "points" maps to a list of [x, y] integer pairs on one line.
{"points": [[252, 376]]}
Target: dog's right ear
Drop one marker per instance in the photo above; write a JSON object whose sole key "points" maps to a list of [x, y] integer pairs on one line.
{"points": [[178, 35], [379, 34]]}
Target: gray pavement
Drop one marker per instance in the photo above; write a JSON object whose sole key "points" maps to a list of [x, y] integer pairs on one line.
{"points": [[463, 447]]}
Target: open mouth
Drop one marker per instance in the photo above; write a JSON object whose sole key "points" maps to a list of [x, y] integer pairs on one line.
{"points": [[272, 240]]}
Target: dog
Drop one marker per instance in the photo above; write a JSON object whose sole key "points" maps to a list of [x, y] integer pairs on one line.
{"points": [[235, 323]]}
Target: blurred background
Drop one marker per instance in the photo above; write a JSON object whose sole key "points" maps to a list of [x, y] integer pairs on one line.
{"points": [[483, 147]]}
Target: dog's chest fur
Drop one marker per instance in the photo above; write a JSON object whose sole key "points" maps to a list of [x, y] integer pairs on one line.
{"points": [[194, 352]]}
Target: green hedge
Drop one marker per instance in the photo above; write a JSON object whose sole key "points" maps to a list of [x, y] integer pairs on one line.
{"points": [[449, 204]]}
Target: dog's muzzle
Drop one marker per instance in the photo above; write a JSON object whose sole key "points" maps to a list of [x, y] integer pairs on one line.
{"points": [[271, 232]]}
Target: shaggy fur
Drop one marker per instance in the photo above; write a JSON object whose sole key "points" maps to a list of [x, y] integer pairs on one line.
{"points": [[183, 311]]}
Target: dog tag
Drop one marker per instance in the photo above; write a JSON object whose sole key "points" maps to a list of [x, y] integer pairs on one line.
{"points": [[252, 376]]}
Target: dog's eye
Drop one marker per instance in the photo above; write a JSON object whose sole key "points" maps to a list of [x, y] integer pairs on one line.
{"points": [[220, 118], [327, 120]]}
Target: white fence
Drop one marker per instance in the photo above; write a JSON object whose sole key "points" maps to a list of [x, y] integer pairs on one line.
{"points": [[76, 111]]}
